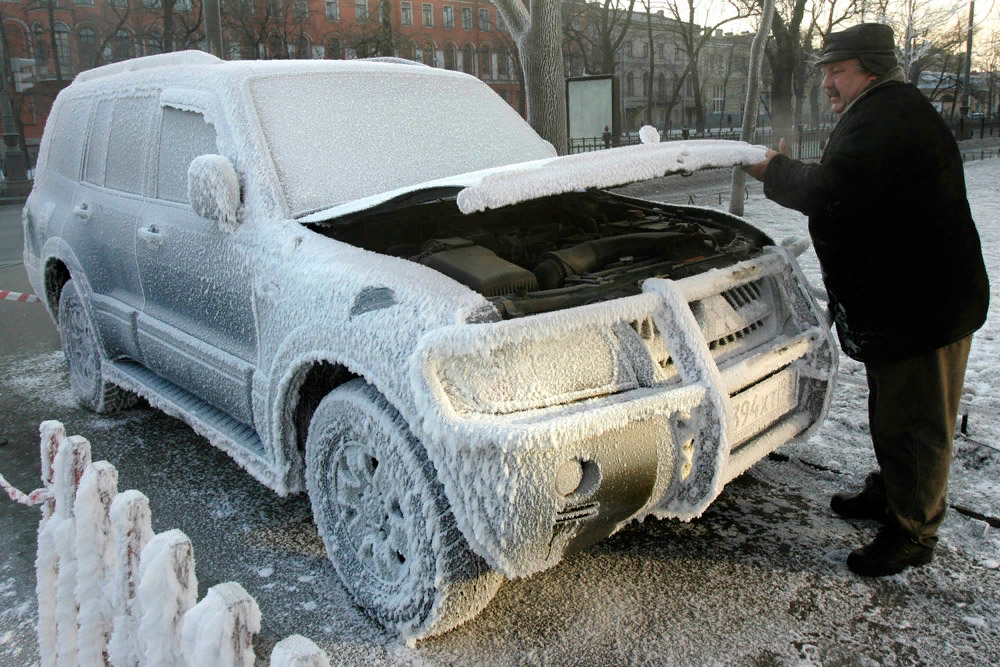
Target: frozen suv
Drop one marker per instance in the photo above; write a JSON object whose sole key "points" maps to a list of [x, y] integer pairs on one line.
{"points": [[373, 282]]}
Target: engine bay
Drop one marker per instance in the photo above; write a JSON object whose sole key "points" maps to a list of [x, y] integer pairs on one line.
{"points": [[552, 253]]}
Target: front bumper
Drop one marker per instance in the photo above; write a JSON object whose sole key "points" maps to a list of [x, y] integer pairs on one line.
{"points": [[731, 364]]}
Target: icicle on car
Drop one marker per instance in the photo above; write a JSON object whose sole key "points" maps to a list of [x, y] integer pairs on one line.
{"points": [[473, 358]]}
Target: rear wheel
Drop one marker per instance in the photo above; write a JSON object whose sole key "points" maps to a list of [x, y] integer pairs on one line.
{"points": [[384, 518], [83, 356]]}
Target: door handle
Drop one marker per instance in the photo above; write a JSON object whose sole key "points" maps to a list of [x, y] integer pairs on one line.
{"points": [[82, 211], [151, 235]]}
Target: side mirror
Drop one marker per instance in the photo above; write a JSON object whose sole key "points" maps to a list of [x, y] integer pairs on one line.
{"points": [[214, 190]]}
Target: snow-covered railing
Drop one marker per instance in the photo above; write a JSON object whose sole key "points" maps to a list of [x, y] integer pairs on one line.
{"points": [[110, 592]]}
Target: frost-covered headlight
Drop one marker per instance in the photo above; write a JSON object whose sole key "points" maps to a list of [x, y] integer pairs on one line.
{"points": [[529, 373]]}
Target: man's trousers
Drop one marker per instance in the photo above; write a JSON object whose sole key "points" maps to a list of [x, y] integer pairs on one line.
{"points": [[912, 410]]}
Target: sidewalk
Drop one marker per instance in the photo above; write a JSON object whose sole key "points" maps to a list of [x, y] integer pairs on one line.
{"points": [[25, 327]]}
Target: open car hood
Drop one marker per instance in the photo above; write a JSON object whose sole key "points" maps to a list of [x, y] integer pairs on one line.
{"points": [[510, 184]]}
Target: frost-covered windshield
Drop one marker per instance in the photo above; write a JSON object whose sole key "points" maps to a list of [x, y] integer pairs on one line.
{"points": [[339, 136]]}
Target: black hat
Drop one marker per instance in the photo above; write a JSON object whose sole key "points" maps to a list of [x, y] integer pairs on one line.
{"points": [[872, 43]]}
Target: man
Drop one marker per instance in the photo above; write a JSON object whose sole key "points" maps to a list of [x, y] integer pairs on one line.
{"points": [[904, 271]]}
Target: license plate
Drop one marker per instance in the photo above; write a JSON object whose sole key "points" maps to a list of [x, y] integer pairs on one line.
{"points": [[756, 408]]}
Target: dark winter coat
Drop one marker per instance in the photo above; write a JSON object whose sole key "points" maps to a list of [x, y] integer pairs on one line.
{"points": [[891, 225]]}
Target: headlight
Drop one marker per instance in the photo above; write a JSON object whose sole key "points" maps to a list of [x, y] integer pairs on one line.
{"points": [[526, 374]]}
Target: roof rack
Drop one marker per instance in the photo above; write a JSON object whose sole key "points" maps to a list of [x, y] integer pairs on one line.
{"points": [[177, 58]]}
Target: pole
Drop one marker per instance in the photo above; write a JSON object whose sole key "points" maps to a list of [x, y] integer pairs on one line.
{"points": [[749, 130], [968, 63], [15, 164]]}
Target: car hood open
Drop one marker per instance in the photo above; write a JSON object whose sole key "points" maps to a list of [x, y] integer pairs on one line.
{"points": [[510, 184]]}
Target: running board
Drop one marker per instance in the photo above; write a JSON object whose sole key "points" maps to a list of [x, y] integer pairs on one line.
{"points": [[237, 439]]}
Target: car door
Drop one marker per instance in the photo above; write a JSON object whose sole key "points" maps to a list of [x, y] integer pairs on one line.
{"points": [[197, 327], [107, 209]]}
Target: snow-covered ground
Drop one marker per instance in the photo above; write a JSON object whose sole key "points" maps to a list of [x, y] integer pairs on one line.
{"points": [[759, 579]]}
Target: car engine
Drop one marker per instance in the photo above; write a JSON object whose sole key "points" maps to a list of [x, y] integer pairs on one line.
{"points": [[557, 252]]}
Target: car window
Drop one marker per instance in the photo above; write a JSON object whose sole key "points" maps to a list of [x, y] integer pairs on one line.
{"points": [[97, 144], [67, 143], [184, 135], [127, 146]]}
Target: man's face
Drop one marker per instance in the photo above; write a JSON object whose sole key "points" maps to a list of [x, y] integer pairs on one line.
{"points": [[843, 81]]}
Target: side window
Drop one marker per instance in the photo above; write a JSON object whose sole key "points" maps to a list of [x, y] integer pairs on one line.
{"points": [[184, 135], [67, 143], [97, 144], [128, 145]]}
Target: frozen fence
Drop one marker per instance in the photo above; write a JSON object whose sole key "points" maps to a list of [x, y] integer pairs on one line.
{"points": [[110, 592]]}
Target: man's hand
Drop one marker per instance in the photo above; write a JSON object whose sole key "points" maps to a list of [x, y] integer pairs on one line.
{"points": [[757, 170]]}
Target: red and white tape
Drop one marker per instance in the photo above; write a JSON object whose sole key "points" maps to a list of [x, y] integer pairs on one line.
{"points": [[36, 497], [17, 296]]}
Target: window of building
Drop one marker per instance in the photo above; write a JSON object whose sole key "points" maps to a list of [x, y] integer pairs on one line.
{"points": [[645, 84], [485, 61], [333, 49], [661, 87], [628, 48], [645, 49], [184, 135], [484, 19], [450, 56], [469, 59], [182, 6], [449, 16], [332, 10], [152, 43], [430, 54], [406, 12], [467, 18], [62, 47], [121, 46], [302, 50], [300, 8], [428, 14], [503, 64], [276, 48], [89, 3], [86, 48], [118, 3], [151, 4], [361, 11], [41, 43], [629, 84]]}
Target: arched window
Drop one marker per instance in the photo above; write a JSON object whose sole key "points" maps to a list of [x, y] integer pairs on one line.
{"points": [[333, 51], [121, 46], [302, 47], [406, 50], [661, 87], [485, 61], [276, 48], [469, 59], [86, 48], [430, 57], [450, 56], [152, 42]]}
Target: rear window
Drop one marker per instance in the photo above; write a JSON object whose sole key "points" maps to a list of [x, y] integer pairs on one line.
{"points": [[70, 127]]}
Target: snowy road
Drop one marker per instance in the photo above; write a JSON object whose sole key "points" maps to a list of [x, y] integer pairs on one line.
{"points": [[758, 580]]}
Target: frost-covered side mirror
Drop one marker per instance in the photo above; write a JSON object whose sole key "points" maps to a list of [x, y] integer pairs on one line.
{"points": [[214, 190]]}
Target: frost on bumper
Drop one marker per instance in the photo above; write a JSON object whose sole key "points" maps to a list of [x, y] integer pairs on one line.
{"points": [[552, 432]]}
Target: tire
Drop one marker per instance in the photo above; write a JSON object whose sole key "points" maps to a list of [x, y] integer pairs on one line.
{"points": [[85, 359], [384, 518]]}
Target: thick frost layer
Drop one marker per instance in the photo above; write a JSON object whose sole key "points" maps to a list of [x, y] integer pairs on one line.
{"points": [[603, 169], [167, 589], [297, 651], [217, 630], [131, 526], [96, 561]]}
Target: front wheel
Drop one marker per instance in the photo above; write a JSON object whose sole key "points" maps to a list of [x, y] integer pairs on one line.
{"points": [[385, 520], [84, 358]]}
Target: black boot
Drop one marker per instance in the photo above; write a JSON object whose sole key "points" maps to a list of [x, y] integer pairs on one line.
{"points": [[869, 503], [891, 552]]}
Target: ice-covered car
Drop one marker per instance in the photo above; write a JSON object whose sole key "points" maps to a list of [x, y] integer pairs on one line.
{"points": [[373, 282]]}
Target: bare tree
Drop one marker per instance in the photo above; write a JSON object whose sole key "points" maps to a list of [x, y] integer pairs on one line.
{"points": [[537, 31], [599, 29], [694, 38]]}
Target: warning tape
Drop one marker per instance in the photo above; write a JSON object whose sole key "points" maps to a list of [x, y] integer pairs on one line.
{"points": [[36, 497], [17, 296]]}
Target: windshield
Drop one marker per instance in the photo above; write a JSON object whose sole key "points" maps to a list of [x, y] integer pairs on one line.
{"points": [[339, 136]]}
